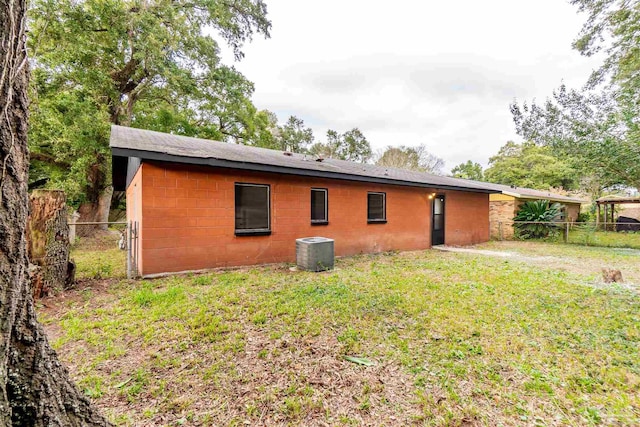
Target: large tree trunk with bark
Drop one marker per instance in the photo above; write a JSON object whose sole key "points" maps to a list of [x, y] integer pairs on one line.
{"points": [[35, 389]]}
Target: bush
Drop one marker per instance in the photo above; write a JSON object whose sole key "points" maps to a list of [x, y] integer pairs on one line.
{"points": [[585, 217], [541, 211]]}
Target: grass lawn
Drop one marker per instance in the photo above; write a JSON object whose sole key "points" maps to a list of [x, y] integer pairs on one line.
{"points": [[99, 257], [457, 340], [606, 239], [587, 236], [587, 261]]}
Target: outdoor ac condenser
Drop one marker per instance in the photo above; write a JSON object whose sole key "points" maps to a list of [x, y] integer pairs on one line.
{"points": [[314, 253]]}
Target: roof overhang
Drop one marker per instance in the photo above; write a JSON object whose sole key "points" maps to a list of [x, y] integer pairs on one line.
{"points": [[550, 198], [617, 201], [257, 167]]}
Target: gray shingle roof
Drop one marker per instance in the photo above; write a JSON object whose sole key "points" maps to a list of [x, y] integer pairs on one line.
{"points": [[528, 193], [131, 142]]}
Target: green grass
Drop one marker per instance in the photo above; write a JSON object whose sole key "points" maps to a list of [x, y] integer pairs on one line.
{"points": [[99, 257], [457, 340], [587, 236], [605, 239], [585, 260], [99, 264]]}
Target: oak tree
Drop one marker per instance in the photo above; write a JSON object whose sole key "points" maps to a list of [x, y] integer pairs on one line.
{"points": [[594, 131], [351, 145], [293, 136], [596, 126], [528, 165], [35, 388], [154, 64], [468, 170], [413, 158]]}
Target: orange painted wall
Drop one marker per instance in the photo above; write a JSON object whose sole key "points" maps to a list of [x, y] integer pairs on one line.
{"points": [[134, 209], [189, 216], [466, 218]]}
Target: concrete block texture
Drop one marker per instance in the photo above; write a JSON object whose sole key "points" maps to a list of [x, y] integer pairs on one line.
{"points": [[187, 217]]}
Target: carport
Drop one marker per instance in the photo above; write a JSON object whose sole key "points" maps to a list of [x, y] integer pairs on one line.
{"points": [[606, 209]]}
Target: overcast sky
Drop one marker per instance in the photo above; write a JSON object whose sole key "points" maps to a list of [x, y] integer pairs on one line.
{"points": [[415, 72]]}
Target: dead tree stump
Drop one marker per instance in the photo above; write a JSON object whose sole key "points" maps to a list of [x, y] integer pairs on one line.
{"points": [[610, 275], [48, 240]]}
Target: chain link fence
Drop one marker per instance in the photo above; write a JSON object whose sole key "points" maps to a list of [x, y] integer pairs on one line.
{"points": [[616, 235], [104, 250]]}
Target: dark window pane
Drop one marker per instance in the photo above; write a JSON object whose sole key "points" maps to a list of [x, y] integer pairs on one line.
{"points": [[252, 207], [375, 206], [318, 205], [438, 222]]}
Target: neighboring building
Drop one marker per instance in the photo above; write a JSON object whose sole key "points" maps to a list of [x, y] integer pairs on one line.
{"points": [[202, 204], [503, 207], [615, 208]]}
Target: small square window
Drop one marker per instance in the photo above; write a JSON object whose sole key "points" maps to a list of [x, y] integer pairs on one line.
{"points": [[377, 207], [319, 206], [253, 209]]}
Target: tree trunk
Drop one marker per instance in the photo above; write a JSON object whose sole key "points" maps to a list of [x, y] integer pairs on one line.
{"points": [[118, 211], [48, 239], [97, 211], [35, 389]]}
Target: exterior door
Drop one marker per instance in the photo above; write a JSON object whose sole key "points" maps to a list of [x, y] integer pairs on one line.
{"points": [[437, 221]]}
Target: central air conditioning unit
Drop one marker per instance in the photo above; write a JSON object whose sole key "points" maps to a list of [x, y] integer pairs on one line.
{"points": [[314, 253]]}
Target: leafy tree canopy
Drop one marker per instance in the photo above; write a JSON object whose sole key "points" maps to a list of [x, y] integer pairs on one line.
{"points": [[468, 170], [597, 126], [529, 165], [293, 136], [612, 28], [351, 145], [595, 131], [151, 64], [412, 158]]}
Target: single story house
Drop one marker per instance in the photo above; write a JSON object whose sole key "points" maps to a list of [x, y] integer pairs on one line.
{"points": [[200, 204], [504, 205]]}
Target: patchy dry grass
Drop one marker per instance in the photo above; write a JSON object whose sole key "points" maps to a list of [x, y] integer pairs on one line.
{"points": [[458, 340], [587, 261]]}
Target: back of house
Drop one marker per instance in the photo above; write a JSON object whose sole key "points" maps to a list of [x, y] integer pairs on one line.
{"points": [[198, 204]]}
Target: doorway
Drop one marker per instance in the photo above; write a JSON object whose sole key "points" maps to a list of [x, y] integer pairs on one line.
{"points": [[437, 221]]}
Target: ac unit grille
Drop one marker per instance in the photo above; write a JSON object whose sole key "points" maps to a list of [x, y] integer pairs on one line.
{"points": [[314, 253]]}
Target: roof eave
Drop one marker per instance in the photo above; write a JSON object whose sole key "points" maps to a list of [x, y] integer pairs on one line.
{"points": [[512, 194], [550, 198], [258, 167]]}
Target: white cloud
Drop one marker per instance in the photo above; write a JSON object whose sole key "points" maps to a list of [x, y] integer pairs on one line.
{"points": [[412, 72]]}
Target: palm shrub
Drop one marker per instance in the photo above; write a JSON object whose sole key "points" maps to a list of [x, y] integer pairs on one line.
{"points": [[540, 211]]}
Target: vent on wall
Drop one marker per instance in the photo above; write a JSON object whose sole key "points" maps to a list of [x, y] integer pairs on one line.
{"points": [[314, 253]]}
